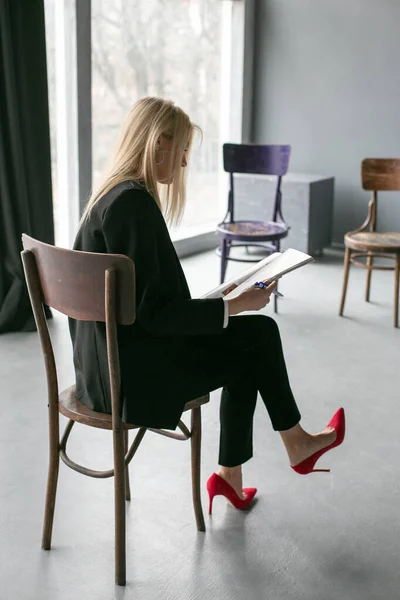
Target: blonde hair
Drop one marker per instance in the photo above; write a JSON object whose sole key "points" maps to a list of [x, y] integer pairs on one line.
{"points": [[135, 155]]}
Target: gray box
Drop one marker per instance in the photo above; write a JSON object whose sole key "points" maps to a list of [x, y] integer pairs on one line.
{"points": [[307, 206]]}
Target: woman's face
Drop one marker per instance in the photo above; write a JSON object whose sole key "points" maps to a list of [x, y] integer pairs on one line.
{"points": [[164, 160]]}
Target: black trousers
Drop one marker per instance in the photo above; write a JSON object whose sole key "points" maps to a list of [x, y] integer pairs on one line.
{"points": [[246, 358]]}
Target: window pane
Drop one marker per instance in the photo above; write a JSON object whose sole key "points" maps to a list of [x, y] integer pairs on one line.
{"points": [[168, 49]]}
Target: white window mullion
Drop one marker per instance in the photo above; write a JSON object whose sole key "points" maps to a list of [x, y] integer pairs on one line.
{"points": [[67, 184]]}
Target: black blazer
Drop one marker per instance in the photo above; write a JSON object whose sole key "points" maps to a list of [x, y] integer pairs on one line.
{"points": [[153, 351]]}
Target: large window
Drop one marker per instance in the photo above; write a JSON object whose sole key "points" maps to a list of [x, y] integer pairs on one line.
{"points": [[164, 48], [190, 51]]}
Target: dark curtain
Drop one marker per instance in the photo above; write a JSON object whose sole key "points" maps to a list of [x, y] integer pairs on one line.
{"points": [[25, 165]]}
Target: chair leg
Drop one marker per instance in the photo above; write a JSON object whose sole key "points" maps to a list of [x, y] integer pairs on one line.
{"points": [[277, 249], [119, 503], [396, 291], [369, 272], [52, 479], [127, 483], [224, 259], [345, 279], [276, 300], [196, 464]]}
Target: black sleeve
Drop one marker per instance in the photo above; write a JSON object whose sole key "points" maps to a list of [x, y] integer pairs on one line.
{"points": [[130, 226]]}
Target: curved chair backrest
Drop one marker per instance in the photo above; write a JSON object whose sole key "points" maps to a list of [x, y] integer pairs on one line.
{"points": [[73, 282], [256, 159], [381, 174], [85, 286]]}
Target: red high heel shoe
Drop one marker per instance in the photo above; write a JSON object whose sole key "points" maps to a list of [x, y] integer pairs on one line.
{"points": [[217, 486], [307, 465]]}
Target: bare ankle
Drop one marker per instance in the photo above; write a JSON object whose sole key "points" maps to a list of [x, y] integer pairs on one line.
{"points": [[233, 476], [295, 439], [230, 472]]}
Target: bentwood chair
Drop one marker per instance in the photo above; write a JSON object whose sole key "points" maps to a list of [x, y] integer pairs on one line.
{"points": [[378, 174], [255, 160], [94, 287]]}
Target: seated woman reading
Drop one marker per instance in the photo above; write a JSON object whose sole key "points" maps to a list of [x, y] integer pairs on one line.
{"points": [[181, 348]]}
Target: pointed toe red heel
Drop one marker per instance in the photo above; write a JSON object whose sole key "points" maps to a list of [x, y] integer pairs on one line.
{"points": [[338, 423], [217, 486]]}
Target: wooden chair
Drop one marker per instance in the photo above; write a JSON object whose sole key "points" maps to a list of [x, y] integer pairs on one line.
{"points": [[379, 174], [94, 287], [256, 160]]}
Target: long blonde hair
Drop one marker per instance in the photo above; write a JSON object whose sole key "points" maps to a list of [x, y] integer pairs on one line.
{"points": [[135, 155]]}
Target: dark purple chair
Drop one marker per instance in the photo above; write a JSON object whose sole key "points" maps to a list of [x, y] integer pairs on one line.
{"points": [[257, 160]]}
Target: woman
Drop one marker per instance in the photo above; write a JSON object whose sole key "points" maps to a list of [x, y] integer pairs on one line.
{"points": [[178, 348]]}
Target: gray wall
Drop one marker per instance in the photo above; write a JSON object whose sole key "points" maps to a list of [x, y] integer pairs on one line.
{"points": [[327, 81]]}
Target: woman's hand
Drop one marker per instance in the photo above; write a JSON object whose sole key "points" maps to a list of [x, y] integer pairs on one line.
{"points": [[252, 299]]}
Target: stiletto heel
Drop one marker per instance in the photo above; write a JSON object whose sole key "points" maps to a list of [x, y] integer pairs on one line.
{"points": [[307, 465], [210, 504], [217, 486]]}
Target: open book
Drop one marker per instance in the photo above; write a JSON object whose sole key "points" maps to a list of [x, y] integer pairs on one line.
{"points": [[269, 269]]}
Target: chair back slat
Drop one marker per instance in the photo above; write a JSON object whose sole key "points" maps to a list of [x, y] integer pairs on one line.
{"points": [[73, 282], [256, 159], [381, 174]]}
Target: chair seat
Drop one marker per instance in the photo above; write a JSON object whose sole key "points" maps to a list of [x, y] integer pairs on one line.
{"points": [[253, 230], [73, 409], [366, 241]]}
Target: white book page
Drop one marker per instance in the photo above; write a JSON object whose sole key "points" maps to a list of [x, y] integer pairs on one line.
{"points": [[218, 292], [284, 263]]}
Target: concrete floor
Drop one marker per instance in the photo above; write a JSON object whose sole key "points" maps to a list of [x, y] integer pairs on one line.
{"points": [[325, 536]]}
